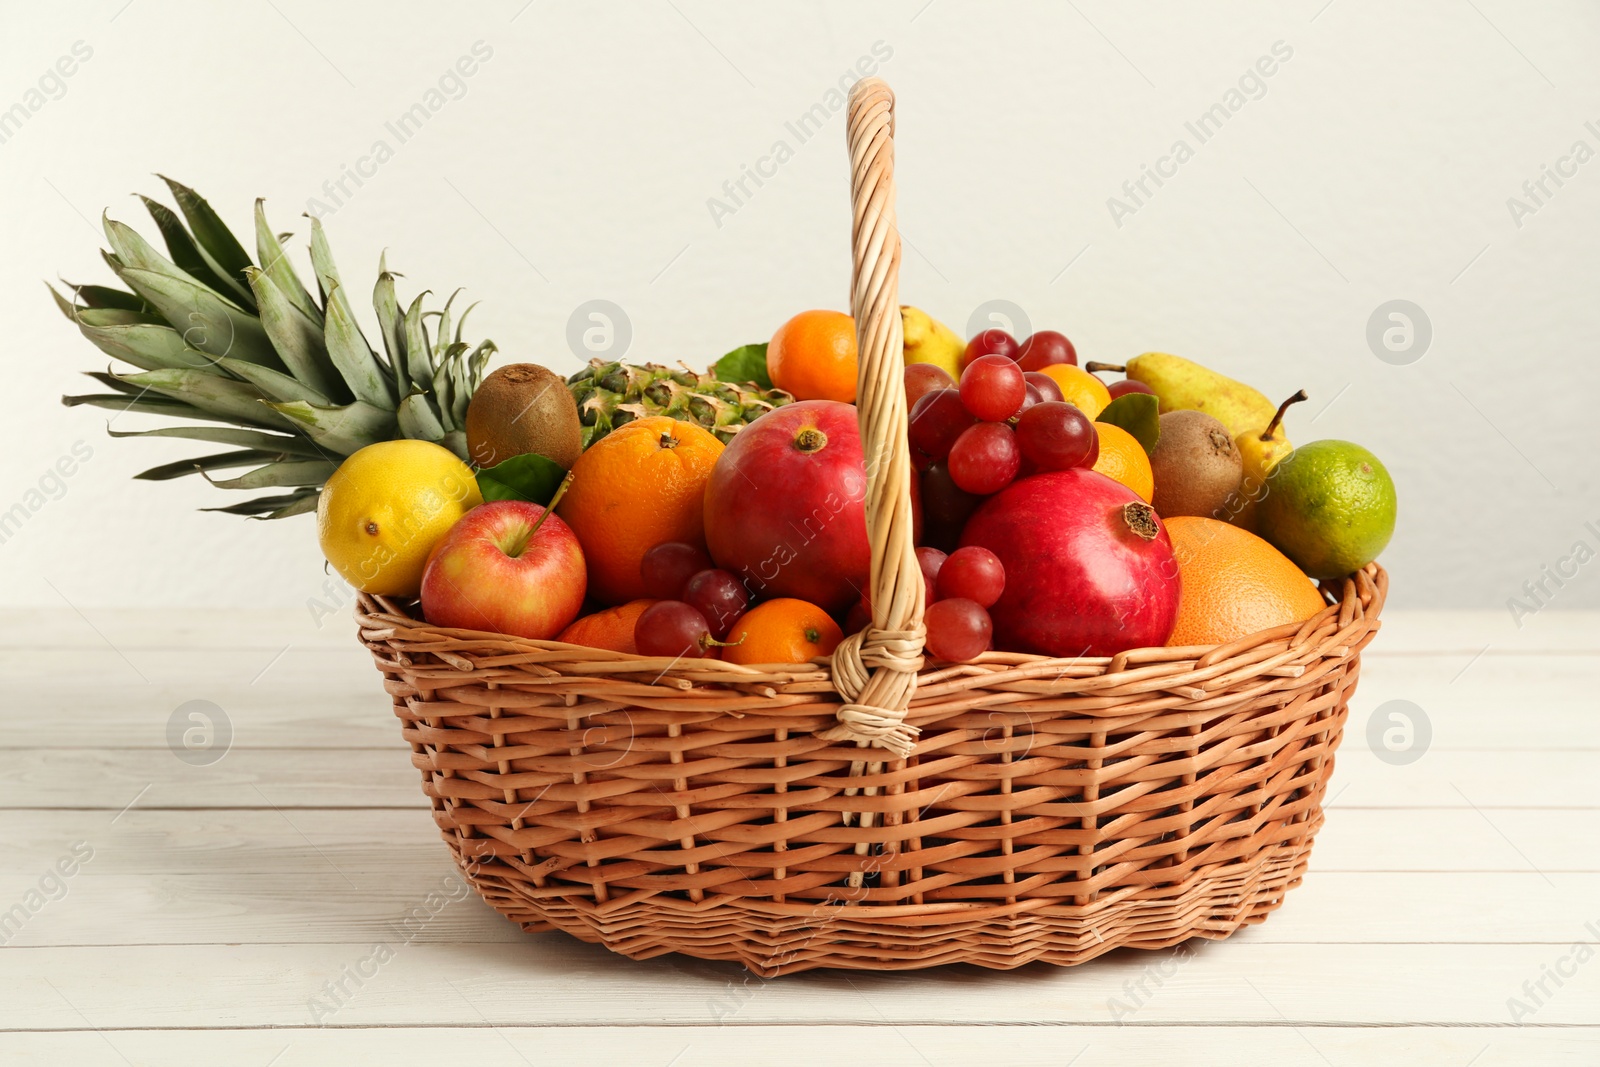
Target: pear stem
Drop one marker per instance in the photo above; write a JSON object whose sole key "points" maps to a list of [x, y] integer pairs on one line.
{"points": [[1266, 435], [561, 491], [1116, 368]]}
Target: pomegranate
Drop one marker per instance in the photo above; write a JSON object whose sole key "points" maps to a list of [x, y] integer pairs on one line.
{"points": [[785, 505], [1089, 568]]}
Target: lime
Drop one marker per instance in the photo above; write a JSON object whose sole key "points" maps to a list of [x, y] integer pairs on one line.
{"points": [[1330, 507]]}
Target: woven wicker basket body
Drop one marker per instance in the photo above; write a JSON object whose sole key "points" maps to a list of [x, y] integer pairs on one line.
{"points": [[876, 811]]}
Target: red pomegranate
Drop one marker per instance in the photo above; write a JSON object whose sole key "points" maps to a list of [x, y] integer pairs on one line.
{"points": [[1089, 568], [785, 505]]}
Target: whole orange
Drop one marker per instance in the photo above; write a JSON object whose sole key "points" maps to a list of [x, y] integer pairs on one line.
{"points": [[640, 485], [1233, 583], [1080, 387], [611, 628], [782, 631], [813, 356], [1123, 459]]}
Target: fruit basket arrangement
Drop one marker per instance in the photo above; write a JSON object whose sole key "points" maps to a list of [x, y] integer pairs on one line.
{"points": [[867, 648]]}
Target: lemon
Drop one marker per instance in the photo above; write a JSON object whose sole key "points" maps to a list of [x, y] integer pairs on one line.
{"points": [[386, 507], [1330, 507]]}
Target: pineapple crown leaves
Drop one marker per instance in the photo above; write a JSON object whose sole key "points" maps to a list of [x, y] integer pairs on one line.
{"points": [[245, 354]]}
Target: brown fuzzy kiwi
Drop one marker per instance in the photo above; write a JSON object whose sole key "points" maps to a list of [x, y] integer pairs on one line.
{"points": [[1197, 466], [523, 408]]}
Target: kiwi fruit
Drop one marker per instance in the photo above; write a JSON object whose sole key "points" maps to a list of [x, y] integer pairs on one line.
{"points": [[1197, 466], [523, 408]]}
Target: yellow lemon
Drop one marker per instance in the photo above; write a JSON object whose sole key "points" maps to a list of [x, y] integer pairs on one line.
{"points": [[1081, 388], [386, 507]]}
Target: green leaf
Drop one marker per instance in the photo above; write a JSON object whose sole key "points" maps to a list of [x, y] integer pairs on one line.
{"points": [[419, 353], [352, 355], [340, 429], [274, 507], [1139, 414], [205, 319], [289, 473], [214, 241], [297, 337], [530, 477], [747, 363], [100, 296], [418, 419], [275, 444], [144, 405], [209, 391], [181, 246], [220, 461], [391, 323], [275, 264], [273, 384]]}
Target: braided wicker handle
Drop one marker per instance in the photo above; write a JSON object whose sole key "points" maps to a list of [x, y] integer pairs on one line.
{"points": [[876, 670]]}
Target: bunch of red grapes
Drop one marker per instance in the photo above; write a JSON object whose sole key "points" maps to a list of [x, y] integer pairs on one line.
{"points": [[1004, 418], [698, 602]]}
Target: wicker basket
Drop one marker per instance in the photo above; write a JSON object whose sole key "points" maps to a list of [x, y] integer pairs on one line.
{"points": [[872, 811]]}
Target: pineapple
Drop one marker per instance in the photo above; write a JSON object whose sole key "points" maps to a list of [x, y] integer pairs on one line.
{"points": [[287, 381], [610, 394]]}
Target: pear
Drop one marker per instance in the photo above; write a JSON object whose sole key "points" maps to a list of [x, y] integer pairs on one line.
{"points": [[1260, 451], [1184, 385], [927, 340]]}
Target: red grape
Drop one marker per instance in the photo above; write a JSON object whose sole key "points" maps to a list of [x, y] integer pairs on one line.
{"points": [[936, 422], [985, 458], [668, 566], [992, 342], [945, 507], [958, 630], [718, 595], [1126, 386], [993, 388], [924, 378], [1056, 436], [972, 573], [1048, 387], [930, 560], [1043, 348], [672, 628]]}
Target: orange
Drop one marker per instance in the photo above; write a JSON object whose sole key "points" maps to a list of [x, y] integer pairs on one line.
{"points": [[611, 628], [1080, 387], [639, 485], [1123, 459], [782, 631], [813, 356], [1233, 584]]}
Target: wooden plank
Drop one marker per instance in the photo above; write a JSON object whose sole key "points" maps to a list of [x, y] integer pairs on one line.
{"points": [[553, 979], [805, 1046]]}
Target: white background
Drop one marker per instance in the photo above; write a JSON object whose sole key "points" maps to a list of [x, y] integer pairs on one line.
{"points": [[580, 159]]}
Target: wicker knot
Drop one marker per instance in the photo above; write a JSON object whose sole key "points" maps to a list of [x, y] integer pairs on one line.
{"points": [[876, 673]]}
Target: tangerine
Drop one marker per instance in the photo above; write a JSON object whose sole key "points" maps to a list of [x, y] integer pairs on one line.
{"points": [[1123, 459], [784, 630], [611, 628], [1079, 387], [641, 484], [813, 356], [1233, 583]]}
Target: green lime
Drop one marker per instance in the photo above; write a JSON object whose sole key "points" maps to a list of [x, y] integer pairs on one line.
{"points": [[1330, 507]]}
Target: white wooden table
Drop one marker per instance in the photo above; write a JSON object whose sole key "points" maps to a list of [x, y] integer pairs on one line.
{"points": [[253, 910]]}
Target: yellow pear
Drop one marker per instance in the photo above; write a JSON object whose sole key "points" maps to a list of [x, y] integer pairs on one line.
{"points": [[927, 340], [1261, 450], [1184, 385]]}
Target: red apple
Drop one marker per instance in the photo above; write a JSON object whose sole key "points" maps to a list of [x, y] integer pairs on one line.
{"points": [[507, 567], [1089, 567]]}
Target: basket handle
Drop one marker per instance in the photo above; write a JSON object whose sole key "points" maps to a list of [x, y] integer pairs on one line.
{"points": [[876, 670]]}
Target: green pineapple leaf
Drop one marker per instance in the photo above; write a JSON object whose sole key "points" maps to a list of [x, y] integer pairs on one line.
{"points": [[220, 461], [213, 240]]}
